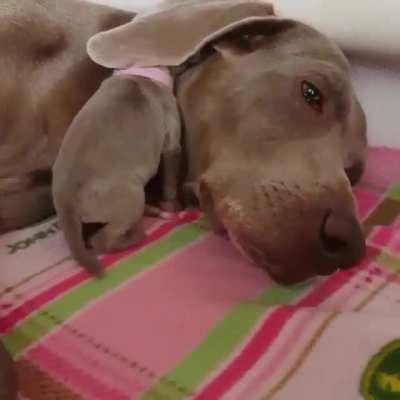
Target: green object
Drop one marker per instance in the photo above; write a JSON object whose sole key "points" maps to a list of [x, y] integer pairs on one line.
{"points": [[381, 379]]}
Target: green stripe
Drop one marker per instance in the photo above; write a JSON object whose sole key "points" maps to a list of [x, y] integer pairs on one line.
{"points": [[219, 344], [388, 261], [394, 192], [38, 325]]}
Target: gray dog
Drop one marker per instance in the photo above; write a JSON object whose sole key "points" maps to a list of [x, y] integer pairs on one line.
{"points": [[274, 132], [111, 151], [274, 135]]}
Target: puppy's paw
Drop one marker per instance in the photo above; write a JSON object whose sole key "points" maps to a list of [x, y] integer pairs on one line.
{"points": [[108, 241], [171, 206], [98, 244], [152, 211], [190, 195], [157, 212]]}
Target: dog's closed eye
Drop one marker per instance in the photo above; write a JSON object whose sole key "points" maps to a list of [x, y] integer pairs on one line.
{"points": [[312, 96]]}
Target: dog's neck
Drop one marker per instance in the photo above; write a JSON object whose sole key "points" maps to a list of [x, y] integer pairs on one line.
{"points": [[157, 74]]}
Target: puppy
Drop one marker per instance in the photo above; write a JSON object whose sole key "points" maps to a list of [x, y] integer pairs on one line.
{"points": [[112, 149]]}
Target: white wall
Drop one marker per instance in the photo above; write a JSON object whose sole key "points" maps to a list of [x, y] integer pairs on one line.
{"points": [[379, 92]]}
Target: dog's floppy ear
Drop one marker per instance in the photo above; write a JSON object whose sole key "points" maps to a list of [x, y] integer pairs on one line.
{"points": [[171, 36]]}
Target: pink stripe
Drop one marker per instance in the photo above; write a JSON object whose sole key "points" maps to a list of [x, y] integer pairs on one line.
{"points": [[286, 348], [84, 382], [10, 320], [367, 201], [382, 166], [267, 333], [386, 238], [396, 245], [382, 236], [133, 330], [295, 335]]}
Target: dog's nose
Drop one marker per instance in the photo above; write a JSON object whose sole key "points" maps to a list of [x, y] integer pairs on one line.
{"points": [[342, 240]]}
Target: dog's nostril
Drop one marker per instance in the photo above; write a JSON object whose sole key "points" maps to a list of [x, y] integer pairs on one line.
{"points": [[342, 240], [331, 238], [355, 172]]}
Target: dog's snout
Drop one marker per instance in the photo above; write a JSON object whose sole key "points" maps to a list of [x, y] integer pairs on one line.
{"points": [[342, 240]]}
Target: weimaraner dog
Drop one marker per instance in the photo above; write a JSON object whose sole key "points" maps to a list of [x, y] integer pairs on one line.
{"points": [[273, 133], [273, 130], [109, 154]]}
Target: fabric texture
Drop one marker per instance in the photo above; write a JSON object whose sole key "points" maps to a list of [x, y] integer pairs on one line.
{"points": [[183, 315]]}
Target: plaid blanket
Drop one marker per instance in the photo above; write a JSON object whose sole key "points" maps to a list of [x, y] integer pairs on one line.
{"points": [[183, 315]]}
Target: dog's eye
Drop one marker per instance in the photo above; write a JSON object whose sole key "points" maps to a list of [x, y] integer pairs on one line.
{"points": [[312, 96]]}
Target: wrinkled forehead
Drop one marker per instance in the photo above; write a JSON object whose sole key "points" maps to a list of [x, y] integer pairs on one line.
{"points": [[329, 75], [297, 50], [297, 40], [304, 41]]}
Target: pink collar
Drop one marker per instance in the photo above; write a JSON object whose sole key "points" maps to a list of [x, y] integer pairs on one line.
{"points": [[159, 74]]}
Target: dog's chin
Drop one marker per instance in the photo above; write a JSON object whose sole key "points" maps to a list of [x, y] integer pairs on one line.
{"points": [[325, 270], [258, 259], [276, 271]]}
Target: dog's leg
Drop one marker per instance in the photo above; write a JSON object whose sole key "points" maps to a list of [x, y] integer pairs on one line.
{"points": [[117, 236], [124, 228], [171, 155], [158, 212], [190, 195], [171, 162]]}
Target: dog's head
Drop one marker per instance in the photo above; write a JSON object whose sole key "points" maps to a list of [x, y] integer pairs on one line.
{"points": [[275, 134]]}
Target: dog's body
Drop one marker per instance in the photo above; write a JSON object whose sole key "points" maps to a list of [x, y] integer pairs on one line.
{"points": [[274, 133], [46, 77], [245, 82], [109, 154]]}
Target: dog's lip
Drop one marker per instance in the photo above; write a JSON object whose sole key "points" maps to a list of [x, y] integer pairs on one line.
{"points": [[262, 262], [326, 270], [246, 250]]}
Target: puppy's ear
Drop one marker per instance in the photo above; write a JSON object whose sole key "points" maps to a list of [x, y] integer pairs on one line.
{"points": [[171, 36]]}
